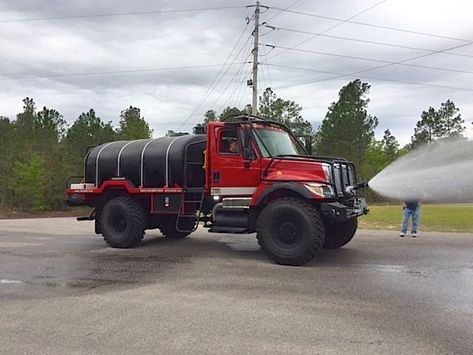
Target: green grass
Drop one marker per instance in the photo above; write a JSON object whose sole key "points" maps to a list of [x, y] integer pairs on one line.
{"points": [[438, 218]]}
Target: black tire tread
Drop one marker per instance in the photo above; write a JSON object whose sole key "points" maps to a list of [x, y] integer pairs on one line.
{"points": [[138, 217], [340, 234], [317, 237], [167, 228]]}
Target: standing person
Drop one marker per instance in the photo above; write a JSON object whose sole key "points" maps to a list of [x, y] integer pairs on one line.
{"points": [[411, 208]]}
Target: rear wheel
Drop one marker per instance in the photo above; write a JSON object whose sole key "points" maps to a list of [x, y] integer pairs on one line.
{"points": [[290, 231], [122, 222], [339, 234], [167, 226]]}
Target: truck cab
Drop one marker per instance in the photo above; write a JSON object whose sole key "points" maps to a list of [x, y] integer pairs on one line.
{"points": [[248, 176], [271, 162]]}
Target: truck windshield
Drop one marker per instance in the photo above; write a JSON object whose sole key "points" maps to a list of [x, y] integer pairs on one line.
{"points": [[274, 142]]}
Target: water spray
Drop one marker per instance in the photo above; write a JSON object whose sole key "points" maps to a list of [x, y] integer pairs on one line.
{"points": [[440, 172]]}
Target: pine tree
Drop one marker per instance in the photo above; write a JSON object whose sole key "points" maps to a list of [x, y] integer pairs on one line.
{"points": [[284, 111], [347, 129], [444, 123], [132, 125]]}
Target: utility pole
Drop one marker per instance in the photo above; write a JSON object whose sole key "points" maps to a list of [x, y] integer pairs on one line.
{"points": [[254, 106]]}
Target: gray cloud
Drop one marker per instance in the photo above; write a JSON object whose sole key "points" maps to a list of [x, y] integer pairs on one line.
{"points": [[51, 48]]}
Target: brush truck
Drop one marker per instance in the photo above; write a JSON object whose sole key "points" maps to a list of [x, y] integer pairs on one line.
{"points": [[248, 176]]}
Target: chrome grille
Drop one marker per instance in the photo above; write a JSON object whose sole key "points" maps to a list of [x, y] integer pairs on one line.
{"points": [[343, 176]]}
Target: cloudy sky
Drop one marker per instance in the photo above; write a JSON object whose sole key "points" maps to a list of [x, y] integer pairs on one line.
{"points": [[174, 65]]}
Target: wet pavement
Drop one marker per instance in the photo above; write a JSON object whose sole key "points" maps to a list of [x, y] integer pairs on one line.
{"points": [[62, 290]]}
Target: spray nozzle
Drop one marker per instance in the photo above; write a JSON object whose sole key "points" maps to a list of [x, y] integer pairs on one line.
{"points": [[351, 190], [362, 185]]}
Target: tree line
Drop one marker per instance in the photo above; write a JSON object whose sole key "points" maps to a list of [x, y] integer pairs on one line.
{"points": [[39, 150]]}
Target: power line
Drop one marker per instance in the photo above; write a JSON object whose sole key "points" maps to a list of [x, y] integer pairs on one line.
{"points": [[402, 62], [244, 48], [366, 41], [242, 87], [374, 26], [264, 82], [356, 73], [228, 84], [265, 55], [232, 80], [341, 75], [238, 83], [235, 87], [131, 13], [414, 58], [236, 78], [282, 11], [213, 85], [111, 72], [389, 63], [332, 27]]}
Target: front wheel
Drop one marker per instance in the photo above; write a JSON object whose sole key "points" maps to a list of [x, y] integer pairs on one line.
{"points": [[290, 231], [122, 222], [339, 234]]}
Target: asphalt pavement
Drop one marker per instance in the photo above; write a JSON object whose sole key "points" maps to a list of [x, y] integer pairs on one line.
{"points": [[63, 291]]}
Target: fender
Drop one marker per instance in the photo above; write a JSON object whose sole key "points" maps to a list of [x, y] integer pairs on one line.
{"points": [[291, 186]]}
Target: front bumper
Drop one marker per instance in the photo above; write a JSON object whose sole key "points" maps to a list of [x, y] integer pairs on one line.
{"points": [[341, 212]]}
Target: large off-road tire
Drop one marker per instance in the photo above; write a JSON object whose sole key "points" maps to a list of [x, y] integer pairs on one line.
{"points": [[290, 231], [122, 222], [167, 226], [339, 234]]}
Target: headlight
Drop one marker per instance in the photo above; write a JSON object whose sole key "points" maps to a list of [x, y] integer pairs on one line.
{"points": [[321, 190]]}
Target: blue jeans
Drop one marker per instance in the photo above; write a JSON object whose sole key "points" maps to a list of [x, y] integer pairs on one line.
{"points": [[415, 220]]}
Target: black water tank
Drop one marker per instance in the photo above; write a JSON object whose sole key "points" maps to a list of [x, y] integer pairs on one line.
{"points": [[149, 162]]}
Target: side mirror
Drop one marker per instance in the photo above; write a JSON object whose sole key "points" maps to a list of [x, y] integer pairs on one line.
{"points": [[308, 144], [308, 147], [247, 153]]}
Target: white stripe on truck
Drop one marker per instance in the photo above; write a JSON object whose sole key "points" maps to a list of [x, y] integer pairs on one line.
{"points": [[228, 191]]}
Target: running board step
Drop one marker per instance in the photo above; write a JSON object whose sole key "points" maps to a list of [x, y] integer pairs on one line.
{"points": [[86, 218], [90, 217], [236, 230]]}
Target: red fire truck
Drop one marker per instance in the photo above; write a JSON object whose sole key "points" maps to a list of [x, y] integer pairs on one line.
{"points": [[250, 175]]}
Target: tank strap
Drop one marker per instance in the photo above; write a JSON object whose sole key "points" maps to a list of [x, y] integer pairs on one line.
{"points": [[120, 155], [142, 161], [167, 157], [97, 162]]}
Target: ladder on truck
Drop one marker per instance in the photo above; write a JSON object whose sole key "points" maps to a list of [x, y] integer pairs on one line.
{"points": [[191, 203]]}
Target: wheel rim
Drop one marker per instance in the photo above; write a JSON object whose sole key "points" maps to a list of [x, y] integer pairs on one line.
{"points": [[286, 233], [119, 223]]}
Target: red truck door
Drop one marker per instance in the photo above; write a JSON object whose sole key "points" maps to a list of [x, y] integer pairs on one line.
{"points": [[231, 174]]}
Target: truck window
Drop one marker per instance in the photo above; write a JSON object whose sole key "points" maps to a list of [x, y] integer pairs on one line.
{"points": [[274, 142], [229, 142]]}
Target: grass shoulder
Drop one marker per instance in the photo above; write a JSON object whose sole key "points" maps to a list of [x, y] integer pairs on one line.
{"points": [[433, 217]]}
